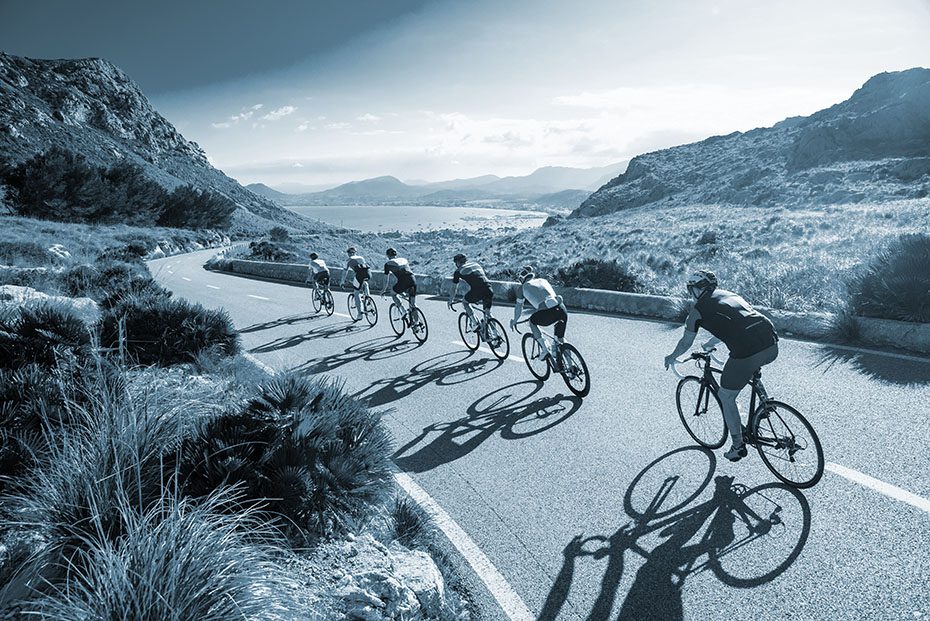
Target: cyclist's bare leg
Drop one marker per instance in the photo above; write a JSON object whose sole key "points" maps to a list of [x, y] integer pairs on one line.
{"points": [[537, 334], [358, 298], [365, 289], [400, 303], [413, 300]]}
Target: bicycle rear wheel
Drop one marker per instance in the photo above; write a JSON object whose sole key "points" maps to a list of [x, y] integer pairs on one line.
{"points": [[353, 308], [396, 314], [328, 303], [700, 412], [316, 299], [468, 330], [418, 325], [788, 444], [533, 356], [574, 370], [371, 311], [497, 339]]}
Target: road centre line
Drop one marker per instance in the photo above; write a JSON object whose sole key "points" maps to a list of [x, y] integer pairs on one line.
{"points": [[342, 315], [185, 278], [258, 297], [892, 491], [508, 599], [212, 287], [488, 351]]}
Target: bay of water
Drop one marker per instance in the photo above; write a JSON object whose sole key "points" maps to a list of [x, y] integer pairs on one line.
{"points": [[411, 218]]}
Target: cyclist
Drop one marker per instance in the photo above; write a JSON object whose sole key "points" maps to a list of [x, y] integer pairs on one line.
{"points": [[748, 334], [400, 269], [479, 289], [547, 306], [318, 271], [359, 268]]}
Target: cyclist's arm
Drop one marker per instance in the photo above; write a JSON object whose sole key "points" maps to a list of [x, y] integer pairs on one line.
{"points": [[518, 310], [387, 282], [687, 339], [453, 293], [710, 343]]}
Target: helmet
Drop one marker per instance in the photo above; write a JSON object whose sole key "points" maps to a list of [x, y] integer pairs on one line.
{"points": [[526, 270], [703, 279], [391, 252], [351, 250], [459, 258], [314, 256]]}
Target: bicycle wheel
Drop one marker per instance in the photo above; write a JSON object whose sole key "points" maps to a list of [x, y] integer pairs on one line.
{"points": [[468, 329], [353, 308], [418, 325], [700, 412], [533, 356], [328, 303], [788, 444], [574, 370], [371, 311], [398, 325], [497, 339], [316, 299]]}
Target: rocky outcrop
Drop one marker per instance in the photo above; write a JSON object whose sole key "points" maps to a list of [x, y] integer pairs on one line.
{"points": [[16, 297], [875, 146]]}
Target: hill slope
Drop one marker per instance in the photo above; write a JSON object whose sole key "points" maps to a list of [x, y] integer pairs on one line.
{"points": [[91, 107], [875, 146]]}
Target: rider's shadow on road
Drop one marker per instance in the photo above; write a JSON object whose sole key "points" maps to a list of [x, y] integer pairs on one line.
{"points": [[881, 368], [744, 537], [516, 411], [329, 331], [380, 348], [280, 321]]}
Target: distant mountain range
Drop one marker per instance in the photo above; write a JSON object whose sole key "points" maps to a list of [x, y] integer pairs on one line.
{"points": [[90, 107], [873, 147], [543, 183]]}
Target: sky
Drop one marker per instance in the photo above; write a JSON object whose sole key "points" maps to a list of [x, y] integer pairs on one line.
{"points": [[321, 93]]}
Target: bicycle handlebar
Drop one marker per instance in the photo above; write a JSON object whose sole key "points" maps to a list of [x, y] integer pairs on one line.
{"points": [[707, 356]]}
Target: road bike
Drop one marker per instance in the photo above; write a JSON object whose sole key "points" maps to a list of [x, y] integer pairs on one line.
{"points": [[567, 362], [322, 297], [785, 440], [488, 329], [413, 319], [369, 308]]}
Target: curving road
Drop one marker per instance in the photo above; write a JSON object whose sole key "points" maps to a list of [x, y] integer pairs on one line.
{"points": [[604, 509]]}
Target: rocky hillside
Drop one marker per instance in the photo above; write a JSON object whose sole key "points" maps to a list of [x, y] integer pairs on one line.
{"points": [[873, 147], [91, 107]]}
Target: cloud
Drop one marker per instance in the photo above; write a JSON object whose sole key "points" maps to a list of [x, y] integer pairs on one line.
{"points": [[369, 117], [305, 126], [337, 126], [244, 115], [280, 113], [511, 140], [297, 165]]}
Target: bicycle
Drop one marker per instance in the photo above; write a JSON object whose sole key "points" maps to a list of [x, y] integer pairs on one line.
{"points": [[568, 363], [414, 319], [369, 308], [487, 329], [322, 297], [792, 447]]}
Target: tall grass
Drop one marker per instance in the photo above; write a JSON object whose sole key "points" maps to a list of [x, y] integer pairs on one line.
{"points": [[896, 283]]}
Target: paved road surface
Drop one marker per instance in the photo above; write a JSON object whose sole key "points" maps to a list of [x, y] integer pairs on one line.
{"points": [[604, 508]]}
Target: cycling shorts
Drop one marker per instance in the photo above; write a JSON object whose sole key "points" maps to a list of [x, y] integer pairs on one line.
{"points": [[361, 275], [321, 278], [548, 316], [738, 371], [482, 294], [406, 283]]}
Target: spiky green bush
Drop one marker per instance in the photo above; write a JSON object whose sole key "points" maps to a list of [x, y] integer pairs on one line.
{"points": [[599, 274], [24, 253], [896, 283], [164, 331], [303, 448], [41, 334]]}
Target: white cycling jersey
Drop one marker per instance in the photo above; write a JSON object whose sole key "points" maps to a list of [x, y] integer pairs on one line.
{"points": [[538, 293], [318, 266]]}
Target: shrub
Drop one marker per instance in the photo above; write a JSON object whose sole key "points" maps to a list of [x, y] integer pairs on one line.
{"points": [[24, 253], [269, 251], [303, 448], [189, 208], [41, 334], [896, 284], [279, 234], [163, 331], [599, 274]]}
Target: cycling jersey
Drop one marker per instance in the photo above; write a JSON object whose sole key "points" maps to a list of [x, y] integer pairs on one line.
{"points": [[538, 292], [744, 330], [358, 265], [473, 276], [318, 266], [400, 268]]}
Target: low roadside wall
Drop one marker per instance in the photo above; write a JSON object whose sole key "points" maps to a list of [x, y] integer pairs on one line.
{"points": [[818, 326]]}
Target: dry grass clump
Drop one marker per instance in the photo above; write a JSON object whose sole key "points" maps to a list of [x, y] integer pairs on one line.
{"points": [[896, 283]]}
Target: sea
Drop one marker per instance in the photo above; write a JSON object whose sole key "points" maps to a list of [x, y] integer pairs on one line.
{"points": [[413, 218]]}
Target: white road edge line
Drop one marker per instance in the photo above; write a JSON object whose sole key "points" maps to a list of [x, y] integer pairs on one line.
{"points": [[512, 604], [212, 287], [508, 599], [342, 315], [892, 491], [488, 351], [185, 278], [258, 297], [887, 354]]}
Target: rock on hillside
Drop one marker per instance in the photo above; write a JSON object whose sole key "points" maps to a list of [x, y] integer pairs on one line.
{"points": [[875, 146], [91, 107]]}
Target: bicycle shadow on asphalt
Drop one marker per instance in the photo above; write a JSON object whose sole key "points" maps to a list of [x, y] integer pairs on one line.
{"points": [[515, 411], [446, 369], [329, 331], [281, 321], [877, 367], [371, 350], [744, 537]]}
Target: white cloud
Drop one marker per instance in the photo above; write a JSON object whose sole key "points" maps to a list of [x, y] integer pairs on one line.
{"points": [[222, 125], [297, 165], [280, 113], [304, 126], [257, 107], [244, 115], [337, 126], [369, 117]]}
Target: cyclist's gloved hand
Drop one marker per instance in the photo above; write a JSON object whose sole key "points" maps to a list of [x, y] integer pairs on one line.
{"points": [[669, 361]]}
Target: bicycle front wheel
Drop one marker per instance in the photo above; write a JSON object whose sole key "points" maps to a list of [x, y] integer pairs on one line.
{"points": [[468, 329], [353, 308], [396, 314], [371, 311], [317, 300], [700, 412], [533, 356], [328, 303], [418, 325], [575, 371], [498, 340], [788, 444]]}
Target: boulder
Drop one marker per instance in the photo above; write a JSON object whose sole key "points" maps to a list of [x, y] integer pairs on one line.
{"points": [[84, 309]]}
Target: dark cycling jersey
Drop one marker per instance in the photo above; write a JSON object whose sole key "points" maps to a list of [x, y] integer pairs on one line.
{"points": [[473, 276], [399, 267], [744, 330]]}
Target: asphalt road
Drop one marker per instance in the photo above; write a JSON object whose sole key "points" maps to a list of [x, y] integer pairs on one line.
{"points": [[605, 509]]}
